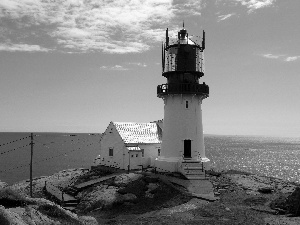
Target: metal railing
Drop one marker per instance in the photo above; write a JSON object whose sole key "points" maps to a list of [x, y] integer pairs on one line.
{"points": [[184, 88]]}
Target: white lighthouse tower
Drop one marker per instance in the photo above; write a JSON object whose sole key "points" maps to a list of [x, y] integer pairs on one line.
{"points": [[183, 147]]}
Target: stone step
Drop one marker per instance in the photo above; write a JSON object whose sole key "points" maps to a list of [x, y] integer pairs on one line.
{"points": [[192, 168], [193, 173], [70, 208], [189, 177], [67, 204]]}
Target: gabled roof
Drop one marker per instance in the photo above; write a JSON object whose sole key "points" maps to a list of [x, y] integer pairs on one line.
{"points": [[132, 132]]}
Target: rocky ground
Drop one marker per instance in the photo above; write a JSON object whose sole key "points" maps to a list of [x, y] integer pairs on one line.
{"points": [[143, 198]]}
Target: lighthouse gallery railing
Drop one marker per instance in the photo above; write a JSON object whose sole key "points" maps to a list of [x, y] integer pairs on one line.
{"points": [[185, 88]]}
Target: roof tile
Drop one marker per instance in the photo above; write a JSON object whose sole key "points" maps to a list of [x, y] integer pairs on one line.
{"points": [[132, 132]]}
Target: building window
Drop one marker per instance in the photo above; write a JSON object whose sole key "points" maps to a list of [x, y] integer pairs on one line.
{"points": [[186, 104], [111, 152], [131, 156], [143, 152], [158, 152], [136, 155]]}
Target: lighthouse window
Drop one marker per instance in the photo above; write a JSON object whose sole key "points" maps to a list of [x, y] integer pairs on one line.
{"points": [[186, 104], [111, 152], [143, 153]]}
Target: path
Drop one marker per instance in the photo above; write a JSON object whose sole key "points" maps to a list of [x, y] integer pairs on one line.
{"points": [[91, 182], [198, 188], [62, 197]]}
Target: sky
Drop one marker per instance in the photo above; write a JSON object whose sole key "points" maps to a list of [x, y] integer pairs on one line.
{"points": [[76, 65]]}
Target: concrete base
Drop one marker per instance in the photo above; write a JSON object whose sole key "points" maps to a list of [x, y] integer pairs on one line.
{"points": [[163, 164], [206, 163]]}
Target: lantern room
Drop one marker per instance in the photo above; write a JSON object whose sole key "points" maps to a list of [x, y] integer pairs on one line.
{"points": [[184, 55]]}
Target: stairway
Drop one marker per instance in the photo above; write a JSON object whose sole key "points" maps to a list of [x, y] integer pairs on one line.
{"points": [[70, 205], [193, 170], [72, 190]]}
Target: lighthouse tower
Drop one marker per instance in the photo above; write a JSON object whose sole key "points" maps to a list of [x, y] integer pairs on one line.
{"points": [[182, 142]]}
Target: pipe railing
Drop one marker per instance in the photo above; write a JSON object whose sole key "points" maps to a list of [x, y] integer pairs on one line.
{"points": [[183, 88]]}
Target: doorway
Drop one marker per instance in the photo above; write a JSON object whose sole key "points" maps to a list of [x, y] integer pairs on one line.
{"points": [[187, 149]]}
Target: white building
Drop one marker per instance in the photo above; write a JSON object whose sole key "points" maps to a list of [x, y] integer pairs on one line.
{"points": [[183, 147], [180, 147], [131, 144]]}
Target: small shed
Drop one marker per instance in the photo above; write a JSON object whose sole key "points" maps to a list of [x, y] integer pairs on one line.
{"points": [[130, 144]]}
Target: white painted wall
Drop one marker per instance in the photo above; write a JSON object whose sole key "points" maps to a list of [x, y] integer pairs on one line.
{"points": [[120, 158], [182, 123], [151, 153], [112, 139]]}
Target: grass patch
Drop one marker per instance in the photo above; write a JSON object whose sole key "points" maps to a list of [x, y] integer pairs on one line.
{"points": [[11, 198]]}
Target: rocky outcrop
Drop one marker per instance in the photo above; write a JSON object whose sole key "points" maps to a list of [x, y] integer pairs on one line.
{"points": [[3, 184], [34, 211], [103, 196], [265, 185]]}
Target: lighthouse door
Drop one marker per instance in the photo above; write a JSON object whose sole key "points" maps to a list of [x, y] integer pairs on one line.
{"points": [[187, 149]]}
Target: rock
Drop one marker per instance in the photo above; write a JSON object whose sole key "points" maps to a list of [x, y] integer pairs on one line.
{"points": [[124, 179], [151, 179], [213, 173], [288, 189], [32, 216], [99, 198], [111, 187], [293, 202], [251, 182], [149, 195], [128, 204], [279, 203], [255, 200], [224, 186], [88, 220], [3, 184], [137, 187], [252, 193], [152, 187], [11, 198], [265, 190], [10, 218], [129, 197]]}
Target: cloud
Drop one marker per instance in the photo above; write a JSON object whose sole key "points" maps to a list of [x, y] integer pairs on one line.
{"points": [[281, 57], [292, 58], [271, 56], [115, 67], [138, 64], [253, 5], [120, 67], [224, 17], [110, 26], [22, 48]]}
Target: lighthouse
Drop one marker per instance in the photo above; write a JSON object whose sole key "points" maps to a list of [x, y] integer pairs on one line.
{"points": [[183, 147]]}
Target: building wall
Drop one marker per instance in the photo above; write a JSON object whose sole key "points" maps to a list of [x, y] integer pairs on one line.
{"points": [[120, 158], [112, 139], [182, 123], [150, 153]]}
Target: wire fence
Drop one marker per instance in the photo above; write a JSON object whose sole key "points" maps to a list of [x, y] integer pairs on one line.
{"points": [[11, 142], [43, 142]]}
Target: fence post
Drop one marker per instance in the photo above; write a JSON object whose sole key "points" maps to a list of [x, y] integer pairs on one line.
{"points": [[31, 155], [62, 198]]}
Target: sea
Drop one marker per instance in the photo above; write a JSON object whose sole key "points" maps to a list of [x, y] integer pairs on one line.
{"points": [[52, 152]]}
